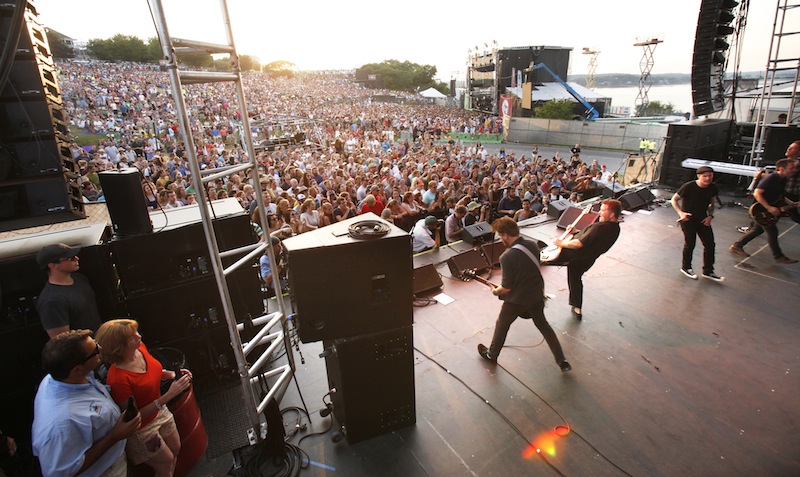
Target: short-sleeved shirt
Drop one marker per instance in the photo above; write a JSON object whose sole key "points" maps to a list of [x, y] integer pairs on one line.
{"points": [[773, 187], [597, 239], [73, 305], [695, 199], [144, 387], [67, 420], [521, 275]]}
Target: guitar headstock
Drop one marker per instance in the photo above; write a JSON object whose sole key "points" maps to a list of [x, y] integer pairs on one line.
{"points": [[468, 274]]}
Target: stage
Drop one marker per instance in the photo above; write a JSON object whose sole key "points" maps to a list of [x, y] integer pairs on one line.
{"points": [[671, 376]]}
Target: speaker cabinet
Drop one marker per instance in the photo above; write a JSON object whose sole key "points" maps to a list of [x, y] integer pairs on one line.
{"points": [[477, 233], [556, 208], [571, 214], [39, 180], [125, 202], [631, 200], [426, 279], [343, 286], [778, 138], [470, 260], [706, 139], [373, 376], [492, 251]]}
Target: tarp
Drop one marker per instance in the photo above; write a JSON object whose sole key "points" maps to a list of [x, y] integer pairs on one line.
{"points": [[432, 93]]}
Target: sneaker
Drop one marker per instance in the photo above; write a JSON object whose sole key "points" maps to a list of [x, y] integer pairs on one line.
{"points": [[484, 352], [713, 276], [565, 366], [689, 273], [743, 230], [785, 260], [738, 250]]}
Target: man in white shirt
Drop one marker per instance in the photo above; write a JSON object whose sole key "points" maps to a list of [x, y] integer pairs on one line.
{"points": [[425, 234]]}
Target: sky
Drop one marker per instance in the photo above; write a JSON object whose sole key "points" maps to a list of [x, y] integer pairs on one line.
{"points": [[346, 34]]}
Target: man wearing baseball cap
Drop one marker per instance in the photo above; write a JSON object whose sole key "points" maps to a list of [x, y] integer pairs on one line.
{"points": [[67, 301], [694, 203]]}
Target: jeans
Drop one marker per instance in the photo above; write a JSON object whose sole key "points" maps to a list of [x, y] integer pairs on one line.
{"points": [[509, 312], [575, 270], [772, 238], [691, 230]]}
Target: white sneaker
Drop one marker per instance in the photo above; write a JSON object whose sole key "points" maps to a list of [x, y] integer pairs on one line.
{"points": [[689, 273]]}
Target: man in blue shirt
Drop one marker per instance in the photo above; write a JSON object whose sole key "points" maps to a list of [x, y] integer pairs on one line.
{"points": [[77, 427]]}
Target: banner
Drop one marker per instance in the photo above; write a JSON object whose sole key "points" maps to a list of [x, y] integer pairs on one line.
{"points": [[506, 106], [513, 77]]}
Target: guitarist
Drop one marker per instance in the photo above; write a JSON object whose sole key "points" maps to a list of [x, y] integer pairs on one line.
{"points": [[580, 252], [770, 194], [521, 290]]}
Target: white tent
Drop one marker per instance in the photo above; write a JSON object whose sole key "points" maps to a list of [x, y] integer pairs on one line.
{"points": [[432, 93]]}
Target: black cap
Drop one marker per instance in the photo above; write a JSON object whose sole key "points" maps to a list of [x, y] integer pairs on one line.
{"points": [[53, 253]]}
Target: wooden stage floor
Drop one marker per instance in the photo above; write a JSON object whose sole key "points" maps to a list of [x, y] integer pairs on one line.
{"points": [[671, 376]]}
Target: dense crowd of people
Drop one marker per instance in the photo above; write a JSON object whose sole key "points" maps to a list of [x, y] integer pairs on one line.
{"points": [[354, 154]]}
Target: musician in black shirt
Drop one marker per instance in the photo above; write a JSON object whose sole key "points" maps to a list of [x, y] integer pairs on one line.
{"points": [[694, 203], [521, 290], [770, 194], [581, 251]]}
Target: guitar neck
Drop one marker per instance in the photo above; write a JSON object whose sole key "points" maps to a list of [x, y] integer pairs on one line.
{"points": [[485, 282]]}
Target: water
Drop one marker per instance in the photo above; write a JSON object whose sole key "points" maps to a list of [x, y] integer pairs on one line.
{"points": [[680, 95]]}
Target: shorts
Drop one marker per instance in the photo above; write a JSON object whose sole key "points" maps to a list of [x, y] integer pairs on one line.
{"points": [[149, 440]]}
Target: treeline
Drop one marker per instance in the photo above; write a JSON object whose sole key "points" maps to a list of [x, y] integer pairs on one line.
{"points": [[404, 76]]}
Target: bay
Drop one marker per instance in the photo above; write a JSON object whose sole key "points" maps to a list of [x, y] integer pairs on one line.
{"points": [[679, 95]]}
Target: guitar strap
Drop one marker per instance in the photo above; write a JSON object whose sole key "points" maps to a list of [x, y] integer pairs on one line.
{"points": [[524, 249]]}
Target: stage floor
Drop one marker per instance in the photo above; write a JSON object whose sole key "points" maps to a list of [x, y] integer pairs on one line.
{"points": [[671, 376]]}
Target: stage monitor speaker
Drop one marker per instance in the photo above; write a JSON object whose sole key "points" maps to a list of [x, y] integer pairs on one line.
{"points": [[572, 213], [344, 286], [556, 208], [631, 201], [646, 195], [470, 260], [613, 192], [492, 251], [426, 279], [125, 201], [477, 233], [373, 376]]}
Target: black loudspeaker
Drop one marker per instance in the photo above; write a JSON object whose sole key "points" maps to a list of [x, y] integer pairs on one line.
{"points": [[706, 139], [632, 200], [613, 192], [373, 376], [778, 138], [572, 213], [39, 180], [477, 233], [556, 208], [426, 279], [646, 195], [469, 260], [710, 52], [492, 251], [343, 286], [125, 201]]}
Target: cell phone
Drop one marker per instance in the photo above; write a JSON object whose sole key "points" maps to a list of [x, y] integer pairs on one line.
{"points": [[130, 410]]}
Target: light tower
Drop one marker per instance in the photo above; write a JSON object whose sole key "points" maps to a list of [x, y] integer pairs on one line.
{"points": [[645, 65], [592, 66]]}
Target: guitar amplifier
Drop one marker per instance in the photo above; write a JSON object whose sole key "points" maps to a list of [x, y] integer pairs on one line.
{"points": [[478, 233]]}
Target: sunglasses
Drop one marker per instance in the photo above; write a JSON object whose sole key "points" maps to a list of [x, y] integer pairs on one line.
{"points": [[91, 355]]}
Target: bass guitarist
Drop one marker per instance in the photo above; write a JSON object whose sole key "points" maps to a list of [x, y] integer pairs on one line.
{"points": [[580, 252], [770, 194]]}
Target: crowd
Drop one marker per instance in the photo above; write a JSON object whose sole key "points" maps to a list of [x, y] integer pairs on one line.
{"points": [[358, 154]]}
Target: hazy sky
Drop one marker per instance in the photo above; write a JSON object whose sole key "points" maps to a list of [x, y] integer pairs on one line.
{"points": [[345, 34]]}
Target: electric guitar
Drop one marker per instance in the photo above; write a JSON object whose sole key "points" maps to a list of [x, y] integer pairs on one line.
{"points": [[472, 274], [762, 216], [552, 252]]}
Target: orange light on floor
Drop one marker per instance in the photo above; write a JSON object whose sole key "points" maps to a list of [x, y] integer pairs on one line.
{"points": [[544, 443]]}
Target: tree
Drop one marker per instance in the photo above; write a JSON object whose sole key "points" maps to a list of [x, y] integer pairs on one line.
{"points": [[279, 68], [402, 75], [561, 109], [196, 60], [58, 48], [120, 48], [657, 108], [248, 63]]}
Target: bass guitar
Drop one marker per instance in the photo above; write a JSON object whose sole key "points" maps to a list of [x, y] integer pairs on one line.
{"points": [[552, 252], [762, 216], [472, 274]]}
